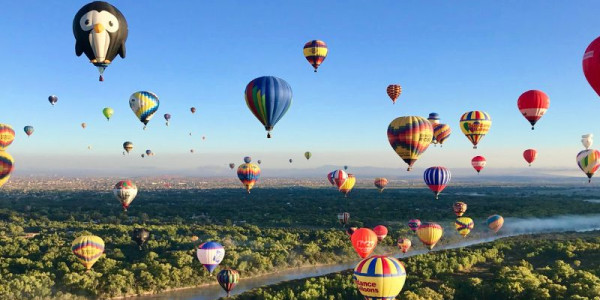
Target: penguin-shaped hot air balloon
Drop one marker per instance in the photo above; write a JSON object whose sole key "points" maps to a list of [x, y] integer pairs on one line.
{"points": [[100, 31]]}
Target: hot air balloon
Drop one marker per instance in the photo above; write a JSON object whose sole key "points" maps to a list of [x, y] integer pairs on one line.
{"points": [[464, 225], [83, 125], [248, 174], [409, 137], [404, 244], [140, 236], [247, 159], [437, 178], [330, 177], [191, 150], [441, 132], [478, 162], [125, 191], [414, 224], [149, 152], [203, 138], [350, 231], [338, 177], [128, 146], [144, 105], [394, 91], [28, 130], [143, 155], [591, 65], [589, 161], [343, 217], [259, 161], [52, 99], [348, 185], [429, 233], [380, 183], [100, 31], [231, 166], [7, 136], [315, 52], [475, 125], [268, 98], [89, 147], [495, 222], [533, 105], [529, 155], [381, 232], [379, 277], [88, 249], [108, 112], [587, 140], [6, 167], [459, 208], [434, 118], [308, 155], [193, 110], [210, 255], [345, 168], [228, 279], [364, 241], [290, 160], [167, 118]]}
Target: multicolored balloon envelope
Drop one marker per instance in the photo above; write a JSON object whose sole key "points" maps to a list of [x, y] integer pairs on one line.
{"points": [[348, 185], [441, 132], [529, 155], [589, 162], [128, 146], [52, 99], [247, 159], [394, 91], [7, 136], [88, 249], [433, 118], [307, 155], [379, 277], [495, 222], [591, 64], [413, 224], [343, 217], [7, 165], [404, 244], [533, 105], [28, 130], [125, 191], [478, 163], [430, 233], [437, 178], [337, 178], [231, 166], [464, 225], [459, 208], [210, 255], [364, 241], [381, 232], [144, 105], [409, 137], [268, 98], [248, 174], [381, 183], [228, 279], [475, 125], [315, 52]]}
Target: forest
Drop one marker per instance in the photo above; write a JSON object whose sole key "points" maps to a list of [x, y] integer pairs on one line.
{"points": [[269, 230]]}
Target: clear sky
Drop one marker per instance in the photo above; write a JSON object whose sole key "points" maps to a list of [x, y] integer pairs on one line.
{"points": [[450, 57]]}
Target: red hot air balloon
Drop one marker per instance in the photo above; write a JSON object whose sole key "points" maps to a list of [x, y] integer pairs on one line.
{"points": [[478, 162], [533, 105], [591, 65], [529, 155], [381, 232], [364, 241]]}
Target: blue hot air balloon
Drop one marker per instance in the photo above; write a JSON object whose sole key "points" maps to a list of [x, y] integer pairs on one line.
{"points": [[268, 98], [437, 178]]}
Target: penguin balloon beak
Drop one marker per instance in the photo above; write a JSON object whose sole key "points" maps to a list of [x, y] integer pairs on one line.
{"points": [[98, 28]]}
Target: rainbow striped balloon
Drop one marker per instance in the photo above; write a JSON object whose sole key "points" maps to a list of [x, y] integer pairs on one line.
{"points": [[464, 225], [228, 279], [589, 162], [6, 167], [410, 136], [88, 249], [475, 125], [379, 277], [315, 52], [7, 136], [248, 174], [441, 132], [268, 98], [144, 104]]}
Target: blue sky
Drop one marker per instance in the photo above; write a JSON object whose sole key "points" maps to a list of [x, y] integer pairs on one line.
{"points": [[449, 57]]}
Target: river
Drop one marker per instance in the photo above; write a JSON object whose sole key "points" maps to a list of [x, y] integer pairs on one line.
{"points": [[512, 227]]}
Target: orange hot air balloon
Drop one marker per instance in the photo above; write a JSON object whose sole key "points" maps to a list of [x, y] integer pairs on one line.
{"points": [[529, 155], [364, 241], [394, 91], [381, 232], [381, 183], [533, 105], [404, 244]]}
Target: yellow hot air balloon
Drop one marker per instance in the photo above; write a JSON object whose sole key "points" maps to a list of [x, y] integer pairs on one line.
{"points": [[464, 225], [248, 174], [7, 136], [409, 137], [88, 249], [348, 185], [475, 124], [379, 277], [6, 167], [429, 233]]}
